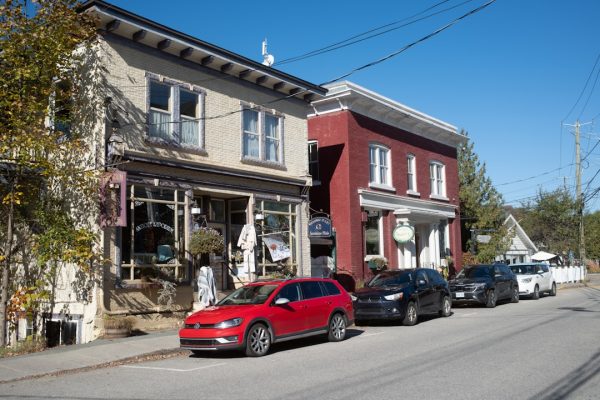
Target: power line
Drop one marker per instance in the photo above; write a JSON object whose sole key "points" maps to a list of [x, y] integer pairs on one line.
{"points": [[424, 38], [590, 94], [354, 39], [584, 87], [533, 177]]}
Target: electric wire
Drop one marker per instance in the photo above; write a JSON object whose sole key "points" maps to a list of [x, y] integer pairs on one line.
{"points": [[584, 88], [590, 94], [355, 39]]}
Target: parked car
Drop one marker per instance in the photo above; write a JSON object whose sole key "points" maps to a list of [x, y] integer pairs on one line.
{"points": [[534, 278], [485, 284], [403, 295], [261, 313]]}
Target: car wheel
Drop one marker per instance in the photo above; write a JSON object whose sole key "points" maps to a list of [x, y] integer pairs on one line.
{"points": [[258, 341], [515, 295], [446, 307], [410, 317], [536, 293], [553, 290], [490, 299], [337, 328]]}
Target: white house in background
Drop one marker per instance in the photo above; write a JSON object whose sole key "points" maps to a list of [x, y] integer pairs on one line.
{"points": [[521, 247]]}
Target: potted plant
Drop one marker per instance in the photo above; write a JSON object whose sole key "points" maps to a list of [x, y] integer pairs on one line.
{"points": [[378, 264], [116, 326]]}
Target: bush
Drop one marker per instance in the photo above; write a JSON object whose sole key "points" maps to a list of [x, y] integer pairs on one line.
{"points": [[29, 345], [206, 240]]}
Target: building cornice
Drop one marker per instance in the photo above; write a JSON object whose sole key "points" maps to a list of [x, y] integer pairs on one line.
{"points": [[123, 23], [347, 96]]}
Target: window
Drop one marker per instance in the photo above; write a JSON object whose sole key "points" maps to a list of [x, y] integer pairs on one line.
{"points": [[373, 230], [62, 107], [436, 174], [313, 161], [153, 235], [379, 162], [277, 245], [175, 113], [290, 292], [311, 290], [411, 174], [331, 289], [262, 136]]}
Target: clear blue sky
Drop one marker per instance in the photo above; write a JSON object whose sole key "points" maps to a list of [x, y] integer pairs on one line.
{"points": [[509, 75]]}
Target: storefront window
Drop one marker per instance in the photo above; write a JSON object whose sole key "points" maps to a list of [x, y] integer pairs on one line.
{"points": [[152, 241], [373, 234], [276, 235]]}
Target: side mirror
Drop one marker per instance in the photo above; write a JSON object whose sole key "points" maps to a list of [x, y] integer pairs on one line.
{"points": [[421, 282], [281, 301]]}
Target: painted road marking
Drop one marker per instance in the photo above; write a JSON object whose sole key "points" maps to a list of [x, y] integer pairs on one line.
{"points": [[174, 369]]}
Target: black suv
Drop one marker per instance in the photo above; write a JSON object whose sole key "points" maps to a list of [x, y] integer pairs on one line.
{"points": [[485, 284], [403, 295]]}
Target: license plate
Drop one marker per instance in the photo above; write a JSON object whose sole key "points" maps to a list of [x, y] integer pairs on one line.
{"points": [[460, 295]]}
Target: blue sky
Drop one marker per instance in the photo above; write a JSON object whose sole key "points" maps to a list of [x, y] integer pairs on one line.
{"points": [[508, 75]]}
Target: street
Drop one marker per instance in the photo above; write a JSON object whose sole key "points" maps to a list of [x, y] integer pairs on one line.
{"points": [[544, 349]]}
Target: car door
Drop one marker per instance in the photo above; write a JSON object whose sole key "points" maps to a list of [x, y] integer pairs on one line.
{"points": [[502, 283], [315, 304], [545, 277], [438, 285], [288, 319], [424, 292]]}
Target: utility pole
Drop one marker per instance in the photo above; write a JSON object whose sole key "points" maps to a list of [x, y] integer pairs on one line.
{"points": [[580, 205]]}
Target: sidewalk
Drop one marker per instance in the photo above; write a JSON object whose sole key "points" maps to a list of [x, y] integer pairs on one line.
{"points": [[101, 352]]}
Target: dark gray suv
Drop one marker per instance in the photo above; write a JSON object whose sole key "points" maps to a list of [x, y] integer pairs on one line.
{"points": [[485, 284]]}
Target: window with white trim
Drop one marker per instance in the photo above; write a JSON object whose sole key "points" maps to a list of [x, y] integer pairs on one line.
{"points": [[313, 161], [379, 165], [437, 178], [411, 173], [262, 135], [175, 113], [373, 230]]}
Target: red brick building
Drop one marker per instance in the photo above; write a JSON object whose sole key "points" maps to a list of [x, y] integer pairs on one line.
{"points": [[382, 165]]}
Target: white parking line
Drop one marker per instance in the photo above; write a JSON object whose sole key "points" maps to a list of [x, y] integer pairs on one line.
{"points": [[369, 334], [174, 369]]}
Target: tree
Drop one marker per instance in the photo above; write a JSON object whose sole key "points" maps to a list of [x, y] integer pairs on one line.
{"points": [[42, 168], [592, 235], [551, 221], [480, 207]]}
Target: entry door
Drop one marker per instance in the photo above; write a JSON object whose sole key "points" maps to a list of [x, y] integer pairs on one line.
{"points": [[216, 260]]}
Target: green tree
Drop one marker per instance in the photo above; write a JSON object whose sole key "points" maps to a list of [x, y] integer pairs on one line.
{"points": [[551, 221], [592, 235], [43, 52], [480, 206]]}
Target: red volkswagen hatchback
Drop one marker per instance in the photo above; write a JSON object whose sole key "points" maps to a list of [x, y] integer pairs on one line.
{"points": [[265, 312]]}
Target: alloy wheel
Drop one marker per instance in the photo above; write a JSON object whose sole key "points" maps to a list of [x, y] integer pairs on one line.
{"points": [[337, 328], [259, 341]]}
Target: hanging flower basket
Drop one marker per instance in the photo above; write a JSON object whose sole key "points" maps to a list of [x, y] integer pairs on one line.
{"points": [[205, 241]]}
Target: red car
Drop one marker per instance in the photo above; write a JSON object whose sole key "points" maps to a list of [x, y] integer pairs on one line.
{"points": [[265, 312]]}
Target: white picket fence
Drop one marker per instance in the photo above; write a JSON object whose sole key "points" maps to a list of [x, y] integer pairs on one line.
{"points": [[568, 274]]}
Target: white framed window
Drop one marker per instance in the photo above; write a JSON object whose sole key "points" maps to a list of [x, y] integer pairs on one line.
{"points": [[373, 234], [262, 135], [411, 174], [379, 166], [437, 178], [175, 111], [313, 161]]}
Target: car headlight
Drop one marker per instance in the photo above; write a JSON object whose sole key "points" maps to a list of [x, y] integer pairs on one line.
{"points": [[480, 285], [230, 323], [526, 280], [353, 297], [395, 296]]}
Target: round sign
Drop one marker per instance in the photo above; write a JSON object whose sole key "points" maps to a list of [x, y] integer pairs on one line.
{"points": [[372, 235], [403, 233]]}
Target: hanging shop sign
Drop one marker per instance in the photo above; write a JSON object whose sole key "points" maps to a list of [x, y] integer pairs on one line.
{"points": [[319, 227], [403, 233]]}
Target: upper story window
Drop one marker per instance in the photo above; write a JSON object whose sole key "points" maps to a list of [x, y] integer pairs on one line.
{"points": [[379, 163], [437, 177], [313, 161], [411, 174], [175, 112], [262, 134]]}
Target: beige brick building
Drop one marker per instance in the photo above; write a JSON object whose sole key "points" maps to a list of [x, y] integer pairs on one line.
{"points": [[194, 136]]}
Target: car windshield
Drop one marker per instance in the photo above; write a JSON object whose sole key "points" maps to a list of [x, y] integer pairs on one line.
{"points": [[525, 269], [390, 279], [474, 272], [255, 294]]}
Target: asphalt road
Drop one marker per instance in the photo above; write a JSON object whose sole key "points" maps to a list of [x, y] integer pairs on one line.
{"points": [[544, 349]]}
